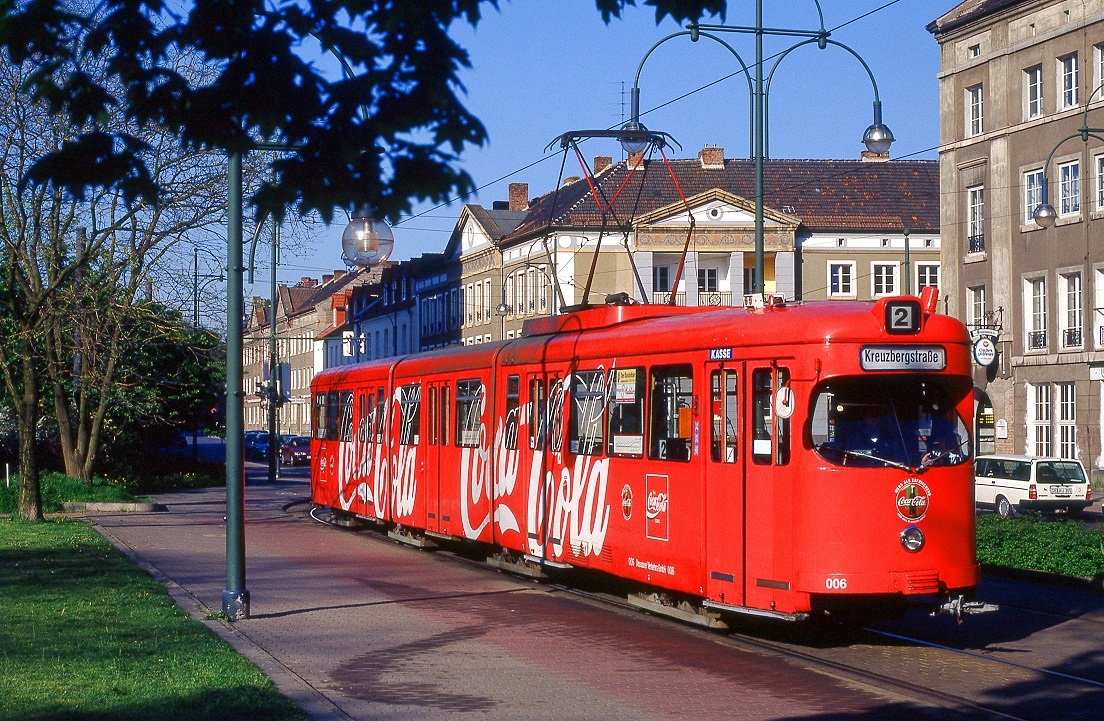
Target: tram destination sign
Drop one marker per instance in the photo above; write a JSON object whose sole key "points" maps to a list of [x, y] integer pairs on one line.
{"points": [[902, 358]]}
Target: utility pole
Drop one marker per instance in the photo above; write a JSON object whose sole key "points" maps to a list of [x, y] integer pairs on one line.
{"points": [[273, 363]]}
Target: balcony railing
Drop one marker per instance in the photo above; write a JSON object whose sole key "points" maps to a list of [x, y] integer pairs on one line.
{"points": [[714, 298], [976, 243], [1071, 338], [660, 297], [1037, 340]]}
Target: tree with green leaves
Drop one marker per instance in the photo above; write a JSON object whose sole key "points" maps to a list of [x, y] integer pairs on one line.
{"points": [[387, 130]]}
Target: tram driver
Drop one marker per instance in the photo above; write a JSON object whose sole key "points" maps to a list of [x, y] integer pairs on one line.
{"points": [[873, 436]]}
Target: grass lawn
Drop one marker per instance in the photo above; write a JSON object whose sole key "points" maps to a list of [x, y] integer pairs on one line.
{"points": [[86, 634]]}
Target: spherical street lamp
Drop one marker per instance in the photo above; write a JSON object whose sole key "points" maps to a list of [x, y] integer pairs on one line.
{"points": [[366, 242], [1045, 215], [878, 137], [634, 145]]}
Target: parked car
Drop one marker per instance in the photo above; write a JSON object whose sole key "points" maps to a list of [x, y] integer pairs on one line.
{"points": [[294, 450], [250, 442], [1010, 484]]}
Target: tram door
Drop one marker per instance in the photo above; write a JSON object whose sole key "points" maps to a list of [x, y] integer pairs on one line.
{"points": [[767, 491], [545, 398], [724, 481], [436, 395]]}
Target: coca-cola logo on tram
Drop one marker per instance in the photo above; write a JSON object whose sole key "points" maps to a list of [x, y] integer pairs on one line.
{"points": [[912, 499]]}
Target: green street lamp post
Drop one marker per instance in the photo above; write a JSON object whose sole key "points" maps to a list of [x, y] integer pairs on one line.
{"points": [[365, 242], [877, 137]]}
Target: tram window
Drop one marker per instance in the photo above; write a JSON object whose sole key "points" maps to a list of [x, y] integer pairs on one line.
{"points": [[771, 441], [626, 413], [346, 401], [444, 415], [366, 417], [320, 416], [513, 410], [381, 413], [410, 406], [725, 411], [588, 403], [536, 414], [431, 426], [782, 425], [331, 416], [469, 412], [671, 414], [556, 400]]}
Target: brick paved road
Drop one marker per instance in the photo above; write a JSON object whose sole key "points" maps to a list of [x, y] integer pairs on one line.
{"points": [[353, 626]]}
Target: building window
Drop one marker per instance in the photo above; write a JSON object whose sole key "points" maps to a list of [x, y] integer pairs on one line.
{"points": [[975, 51], [975, 306], [749, 279], [975, 219], [1069, 188], [1035, 313], [927, 274], [1067, 82], [1098, 58], [1039, 398], [1070, 296], [1098, 165], [661, 279], [883, 278], [1067, 419], [841, 279], [1033, 92], [1033, 193], [707, 280], [975, 111]]}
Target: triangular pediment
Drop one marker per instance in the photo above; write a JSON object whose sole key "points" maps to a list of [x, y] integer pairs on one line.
{"points": [[716, 208]]}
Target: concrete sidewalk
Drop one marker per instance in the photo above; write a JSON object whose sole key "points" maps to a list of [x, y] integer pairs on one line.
{"points": [[353, 626]]}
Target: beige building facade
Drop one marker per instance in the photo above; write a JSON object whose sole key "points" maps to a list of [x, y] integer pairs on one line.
{"points": [[1016, 78]]}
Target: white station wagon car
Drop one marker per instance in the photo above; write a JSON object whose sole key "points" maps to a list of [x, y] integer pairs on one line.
{"points": [[1009, 484]]}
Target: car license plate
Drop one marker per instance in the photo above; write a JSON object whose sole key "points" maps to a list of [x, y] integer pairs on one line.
{"points": [[1061, 491]]}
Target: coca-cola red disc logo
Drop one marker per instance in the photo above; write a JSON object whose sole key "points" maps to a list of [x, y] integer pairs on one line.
{"points": [[626, 502], [912, 499]]}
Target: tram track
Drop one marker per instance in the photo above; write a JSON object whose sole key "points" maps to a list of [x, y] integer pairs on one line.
{"points": [[854, 672]]}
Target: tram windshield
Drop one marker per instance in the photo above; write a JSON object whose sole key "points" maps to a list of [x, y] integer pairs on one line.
{"points": [[903, 422]]}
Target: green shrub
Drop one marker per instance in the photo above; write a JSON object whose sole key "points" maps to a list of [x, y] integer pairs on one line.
{"points": [[58, 488], [1057, 545]]}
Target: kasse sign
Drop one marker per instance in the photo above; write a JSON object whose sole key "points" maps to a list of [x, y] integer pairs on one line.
{"points": [[902, 358]]}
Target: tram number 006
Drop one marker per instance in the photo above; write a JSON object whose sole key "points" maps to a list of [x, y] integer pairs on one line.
{"points": [[835, 584]]}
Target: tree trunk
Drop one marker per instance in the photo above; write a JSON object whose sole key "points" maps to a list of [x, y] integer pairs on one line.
{"points": [[30, 494]]}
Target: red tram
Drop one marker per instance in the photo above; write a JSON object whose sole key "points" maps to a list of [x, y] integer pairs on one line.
{"points": [[787, 460]]}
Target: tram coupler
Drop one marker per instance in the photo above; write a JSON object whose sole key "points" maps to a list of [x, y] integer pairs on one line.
{"points": [[959, 607]]}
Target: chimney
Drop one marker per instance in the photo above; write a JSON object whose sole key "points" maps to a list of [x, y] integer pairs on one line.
{"points": [[519, 196], [869, 157], [571, 179], [500, 205], [339, 274], [601, 162], [712, 158], [326, 278], [636, 159], [306, 282]]}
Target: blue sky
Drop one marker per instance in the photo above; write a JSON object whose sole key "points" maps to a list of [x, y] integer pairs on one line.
{"points": [[542, 67]]}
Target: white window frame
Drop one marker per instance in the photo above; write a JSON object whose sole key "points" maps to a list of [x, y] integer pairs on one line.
{"points": [[847, 278], [1065, 394], [975, 305], [1039, 412], [1068, 86], [1033, 193], [1071, 299], [1098, 79], [1033, 92], [708, 277], [975, 214], [975, 110], [1035, 312], [1098, 178], [932, 270], [1069, 189], [884, 278]]}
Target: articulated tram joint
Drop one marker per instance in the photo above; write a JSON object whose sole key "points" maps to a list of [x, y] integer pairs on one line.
{"points": [[959, 607]]}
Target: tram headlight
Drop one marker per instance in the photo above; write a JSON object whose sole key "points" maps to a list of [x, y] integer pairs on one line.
{"points": [[912, 539]]}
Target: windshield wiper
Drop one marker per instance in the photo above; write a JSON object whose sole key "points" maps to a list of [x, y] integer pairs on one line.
{"points": [[879, 459]]}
